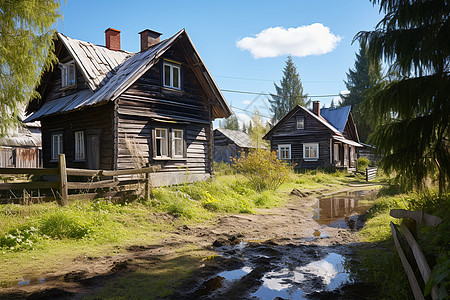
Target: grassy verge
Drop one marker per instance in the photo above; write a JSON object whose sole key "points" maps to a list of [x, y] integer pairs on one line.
{"points": [[381, 265], [45, 239]]}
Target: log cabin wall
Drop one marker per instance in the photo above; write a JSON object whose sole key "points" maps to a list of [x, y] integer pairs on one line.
{"points": [[313, 132], [224, 148], [92, 121], [147, 105]]}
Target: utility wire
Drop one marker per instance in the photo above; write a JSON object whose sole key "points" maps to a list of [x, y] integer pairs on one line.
{"points": [[250, 112], [271, 80], [268, 94]]}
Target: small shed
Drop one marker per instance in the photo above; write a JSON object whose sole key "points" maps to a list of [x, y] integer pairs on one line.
{"points": [[230, 143], [22, 148]]}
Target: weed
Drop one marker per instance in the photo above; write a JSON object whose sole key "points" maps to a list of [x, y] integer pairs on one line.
{"points": [[62, 224]]}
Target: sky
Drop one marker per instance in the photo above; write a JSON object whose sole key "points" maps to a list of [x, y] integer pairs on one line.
{"points": [[245, 43]]}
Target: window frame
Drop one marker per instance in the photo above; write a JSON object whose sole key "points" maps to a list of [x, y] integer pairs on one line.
{"points": [[297, 121], [66, 81], [172, 66], [80, 145], [166, 138], [55, 155], [288, 146], [310, 145], [181, 139]]}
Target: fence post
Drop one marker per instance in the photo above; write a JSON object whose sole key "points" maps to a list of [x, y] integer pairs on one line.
{"points": [[62, 173], [148, 183]]}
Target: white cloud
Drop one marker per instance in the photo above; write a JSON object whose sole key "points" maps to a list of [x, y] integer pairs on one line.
{"points": [[242, 118], [314, 39], [246, 102]]}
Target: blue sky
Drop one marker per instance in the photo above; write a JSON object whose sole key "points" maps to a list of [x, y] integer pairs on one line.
{"points": [[216, 27]]}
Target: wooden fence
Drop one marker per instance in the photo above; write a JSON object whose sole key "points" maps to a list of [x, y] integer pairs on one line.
{"points": [[409, 232], [371, 173], [62, 185]]}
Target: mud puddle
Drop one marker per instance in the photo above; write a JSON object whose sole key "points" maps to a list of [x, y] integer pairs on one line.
{"points": [[343, 210]]}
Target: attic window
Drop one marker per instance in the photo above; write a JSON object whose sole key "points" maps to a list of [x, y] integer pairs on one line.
{"points": [[68, 78], [300, 123], [172, 75]]}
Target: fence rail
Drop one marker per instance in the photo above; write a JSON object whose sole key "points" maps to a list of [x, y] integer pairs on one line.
{"points": [[409, 229], [371, 173], [62, 185]]}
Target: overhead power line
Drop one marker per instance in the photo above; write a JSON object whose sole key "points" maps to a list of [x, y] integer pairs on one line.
{"points": [[250, 112], [268, 94]]}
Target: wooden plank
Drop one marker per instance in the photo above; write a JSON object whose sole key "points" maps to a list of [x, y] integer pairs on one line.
{"points": [[29, 185], [419, 216], [62, 179], [424, 269], [91, 173], [92, 185], [409, 271], [29, 171]]}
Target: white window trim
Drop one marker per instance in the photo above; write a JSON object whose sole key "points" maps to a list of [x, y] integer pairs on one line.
{"points": [[284, 146], [172, 66], [310, 145], [296, 122], [79, 146], [65, 73], [56, 152], [166, 139], [173, 142]]}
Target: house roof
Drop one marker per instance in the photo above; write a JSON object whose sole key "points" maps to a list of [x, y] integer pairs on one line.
{"points": [[109, 73], [337, 117], [238, 137]]}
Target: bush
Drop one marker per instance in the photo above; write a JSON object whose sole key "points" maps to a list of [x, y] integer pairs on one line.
{"points": [[20, 238], [62, 225], [263, 169], [363, 162]]}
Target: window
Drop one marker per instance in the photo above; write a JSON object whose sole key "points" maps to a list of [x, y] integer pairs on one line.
{"points": [[284, 151], [57, 145], [162, 142], [178, 143], [171, 76], [311, 151], [300, 123], [79, 145], [336, 152], [68, 77]]}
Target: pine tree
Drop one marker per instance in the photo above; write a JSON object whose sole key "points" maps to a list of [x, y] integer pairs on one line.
{"points": [[26, 39], [365, 76], [413, 38], [332, 104], [289, 94], [231, 122], [244, 127]]}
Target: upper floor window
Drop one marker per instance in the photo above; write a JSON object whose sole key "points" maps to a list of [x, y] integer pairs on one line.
{"points": [[57, 145], [68, 77], [172, 75], [300, 123], [79, 145]]}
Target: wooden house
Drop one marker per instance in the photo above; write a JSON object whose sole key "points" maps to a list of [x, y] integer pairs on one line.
{"points": [[230, 143], [110, 109], [316, 139]]}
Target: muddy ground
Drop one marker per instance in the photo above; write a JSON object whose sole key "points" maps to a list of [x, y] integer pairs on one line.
{"points": [[279, 253]]}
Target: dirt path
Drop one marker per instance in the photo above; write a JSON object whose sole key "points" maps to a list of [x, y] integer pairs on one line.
{"points": [[255, 247]]}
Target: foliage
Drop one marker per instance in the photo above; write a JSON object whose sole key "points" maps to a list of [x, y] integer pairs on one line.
{"points": [[20, 238], [230, 123], [365, 76], [223, 168], [289, 94], [413, 37], [63, 225], [26, 39], [257, 130], [362, 163], [263, 169]]}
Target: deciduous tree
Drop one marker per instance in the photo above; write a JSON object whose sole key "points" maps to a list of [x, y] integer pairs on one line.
{"points": [[26, 40]]}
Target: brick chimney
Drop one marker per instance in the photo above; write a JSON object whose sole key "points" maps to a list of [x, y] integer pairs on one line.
{"points": [[316, 108], [149, 38], [112, 39]]}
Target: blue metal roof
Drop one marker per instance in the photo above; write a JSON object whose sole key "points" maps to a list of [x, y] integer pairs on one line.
{"points": [[336, 116]]}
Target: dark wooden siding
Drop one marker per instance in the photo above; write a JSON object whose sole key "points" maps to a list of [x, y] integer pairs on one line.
{"points": [[224, 148], [313, 132], [91, 120], [146, 105]]}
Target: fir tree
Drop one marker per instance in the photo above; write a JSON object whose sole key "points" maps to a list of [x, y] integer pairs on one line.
{"points": [[413, 38], [332, 104], [365, 76], [26, 39], [289, 94], [231, 122]]}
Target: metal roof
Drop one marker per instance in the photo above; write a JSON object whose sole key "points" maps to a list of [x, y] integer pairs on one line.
{"points": [[337, 117], [347, 141], [238, 137], [110, 73]]}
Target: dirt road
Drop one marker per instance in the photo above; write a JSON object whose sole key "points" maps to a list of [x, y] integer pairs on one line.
{"points": [[281, 252]]}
